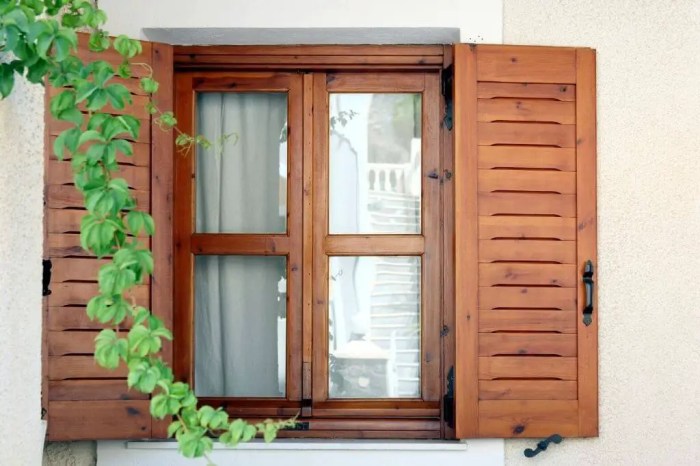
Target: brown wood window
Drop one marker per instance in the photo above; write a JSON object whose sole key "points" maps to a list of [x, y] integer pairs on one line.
{"points": [[385, 252], [308, 247]]}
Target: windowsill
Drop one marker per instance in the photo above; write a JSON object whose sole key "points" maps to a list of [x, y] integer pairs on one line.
{"points": [[319, 445]]}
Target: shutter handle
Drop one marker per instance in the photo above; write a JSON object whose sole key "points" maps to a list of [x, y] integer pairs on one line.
{"points": [[588, 283]]}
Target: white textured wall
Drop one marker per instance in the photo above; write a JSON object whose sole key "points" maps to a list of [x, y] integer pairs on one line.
{"points": [[478, 20], [649, 222], [21, 213]]}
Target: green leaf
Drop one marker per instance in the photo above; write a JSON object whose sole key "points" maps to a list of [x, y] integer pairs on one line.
{"points": [[138, 222], [149, 85], [127, 47], [132, 123], [125, 147], [37, 72], [99, 41], [7, 79], [118, 95], [97, 100], [90, 135], [114, 281], [43, 44], [143, 376], [174, 428], [62, 47], [12, 37], [142, 342], [109, 349]]}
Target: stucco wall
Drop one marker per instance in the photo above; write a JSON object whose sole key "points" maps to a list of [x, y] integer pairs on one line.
{"points": [[21, 205], [649, 222]]}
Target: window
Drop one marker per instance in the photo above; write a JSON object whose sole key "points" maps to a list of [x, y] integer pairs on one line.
{"points": [[390, 241], [309, 273]]}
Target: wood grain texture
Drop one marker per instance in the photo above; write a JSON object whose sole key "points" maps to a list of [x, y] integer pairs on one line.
{"points": [[587, 237], [545, 111], [523, 64], [527, 180], [528, 418], [508, 367], [99, 420], [466, 242], [543, 134], [527, 274], [488, 90], [503, 344], [522, 250], [527, 390], [527, 320], [553, 158]]}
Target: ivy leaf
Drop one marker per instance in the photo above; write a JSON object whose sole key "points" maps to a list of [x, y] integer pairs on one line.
{"points": [[143, 376], [7, 79], [114, 281], [109, 349], [174, 428], [132, 124], [127, 47], [118, 95], [149, 85], [123, 146], [98, 42], [67, 139], [142, 342], [138, 221], [97, 99]]}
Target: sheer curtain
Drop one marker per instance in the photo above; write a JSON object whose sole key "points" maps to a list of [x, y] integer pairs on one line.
{"points": [[240, 301]]}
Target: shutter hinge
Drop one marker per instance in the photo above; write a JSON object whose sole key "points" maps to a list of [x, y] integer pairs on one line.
{"points": [[542, 445], [447, 79], [46, 277], [448, 400]]}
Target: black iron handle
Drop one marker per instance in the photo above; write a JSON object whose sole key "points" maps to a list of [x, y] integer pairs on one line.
{"points": [[588, 283], [542, 445]]}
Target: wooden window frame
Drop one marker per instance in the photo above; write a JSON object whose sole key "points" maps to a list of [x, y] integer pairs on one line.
{"points": [[315, 71]]}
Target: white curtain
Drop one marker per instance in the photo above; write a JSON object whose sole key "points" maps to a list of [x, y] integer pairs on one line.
{"points": [[240, 300]]}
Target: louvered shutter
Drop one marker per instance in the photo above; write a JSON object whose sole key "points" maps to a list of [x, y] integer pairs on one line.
{"points": [[526, 364], [82, 400]]}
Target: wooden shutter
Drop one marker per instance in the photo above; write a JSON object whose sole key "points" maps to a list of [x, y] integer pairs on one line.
{"points": [[82, 400], [525, 135]]}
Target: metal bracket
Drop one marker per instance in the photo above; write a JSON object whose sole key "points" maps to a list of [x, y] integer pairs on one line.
{"points": [[447, 79], [448, 400], [588, 284], [46, 277], [542, 445]]}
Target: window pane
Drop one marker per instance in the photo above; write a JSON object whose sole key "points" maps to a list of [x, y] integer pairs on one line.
{"points": [[374, 327], [242, 178], [375, 163], [240, 325]]}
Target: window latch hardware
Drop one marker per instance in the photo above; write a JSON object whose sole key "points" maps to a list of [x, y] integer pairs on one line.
{"points": [[46, 277], [300, 425], [588, 283], [542, 445], [448, 400]]}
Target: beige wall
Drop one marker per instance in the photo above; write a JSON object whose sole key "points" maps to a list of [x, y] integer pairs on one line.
{"points": [[649, 222]]}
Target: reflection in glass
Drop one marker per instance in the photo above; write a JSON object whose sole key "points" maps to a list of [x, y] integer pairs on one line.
{"points": [[374, 327], [375, 163], [240, 325], [241, 180]]}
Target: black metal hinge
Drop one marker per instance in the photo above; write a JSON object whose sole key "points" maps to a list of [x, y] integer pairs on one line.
{"points": [[46, 278], [447, 79], [448, 400], [542, 445]]}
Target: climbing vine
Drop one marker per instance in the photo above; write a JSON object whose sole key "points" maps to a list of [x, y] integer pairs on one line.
{"points": [[38, 42]]}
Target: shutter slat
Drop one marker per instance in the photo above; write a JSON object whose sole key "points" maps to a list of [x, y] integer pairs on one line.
{"points": [[563, 252], [527, 180], [526, 320], [561, 205], [527, 390], [141, 156], [527, 274], [553, 158], [98, 420], [531, 143], [139, 178], [488, 90], [526, 110], [84, 390], [495, 344], [505, 367], [81, 367]]}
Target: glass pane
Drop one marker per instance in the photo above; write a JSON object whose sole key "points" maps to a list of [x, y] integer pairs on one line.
{"points": [[240, 325], [242, 178], [375, 163], [374, 327]]}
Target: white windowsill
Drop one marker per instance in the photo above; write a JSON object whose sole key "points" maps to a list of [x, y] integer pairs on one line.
{"points": [[319, 445]]}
